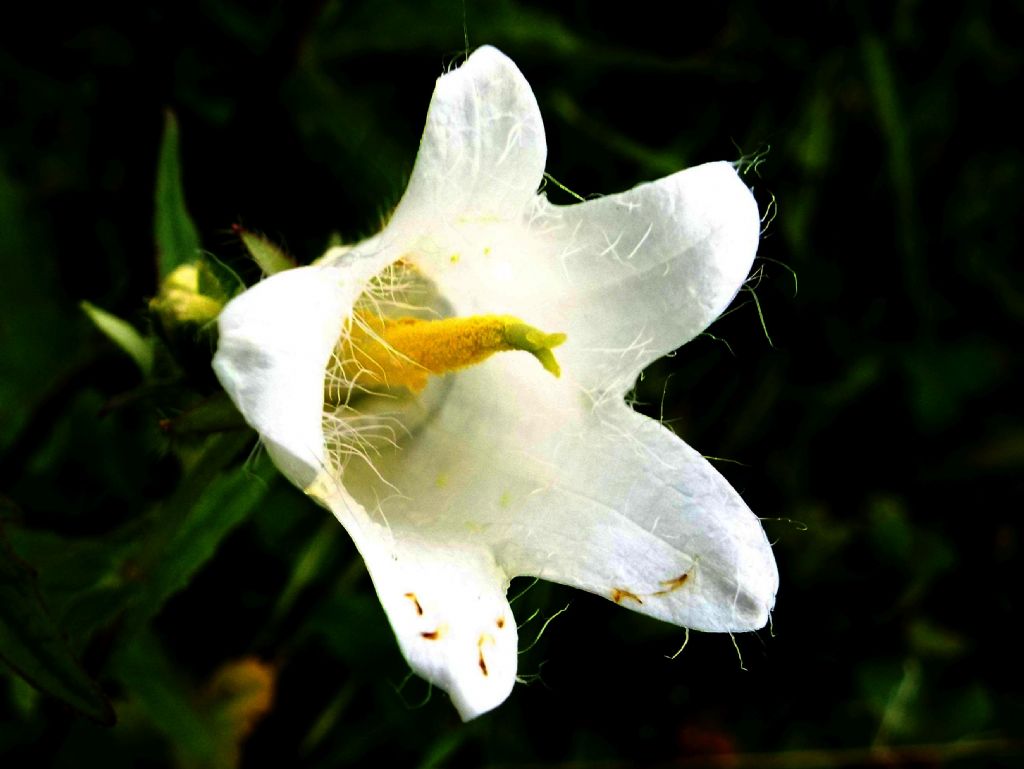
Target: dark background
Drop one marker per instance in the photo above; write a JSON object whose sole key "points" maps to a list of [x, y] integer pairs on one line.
{"points": [[873, 419]]}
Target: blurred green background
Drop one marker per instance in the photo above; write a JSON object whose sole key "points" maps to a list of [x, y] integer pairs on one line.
{"points": [[873, 419]]}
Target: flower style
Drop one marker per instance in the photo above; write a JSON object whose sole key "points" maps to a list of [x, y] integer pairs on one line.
{"points": [[387, 380]]}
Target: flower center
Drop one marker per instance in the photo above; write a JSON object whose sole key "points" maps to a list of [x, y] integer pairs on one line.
{"points": [[376, 394], [386, 352]]}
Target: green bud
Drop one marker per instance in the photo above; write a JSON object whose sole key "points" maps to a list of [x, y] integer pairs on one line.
{"points": [[182, 302]]}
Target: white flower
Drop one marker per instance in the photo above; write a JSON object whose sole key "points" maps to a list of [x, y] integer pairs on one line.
{"points": [[453, 483]]}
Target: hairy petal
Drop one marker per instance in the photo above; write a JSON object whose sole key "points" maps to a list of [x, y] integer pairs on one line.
{"points": [[651, 268], [483, 148], [628, 277]]}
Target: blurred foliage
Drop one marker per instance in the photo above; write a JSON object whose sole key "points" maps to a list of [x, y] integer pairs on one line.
{"points": [[152, 561]]}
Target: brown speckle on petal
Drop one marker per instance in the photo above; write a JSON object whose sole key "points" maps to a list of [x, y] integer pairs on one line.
{"points": [[619, 595], [415, 602], [672, 585], [484, 639]]}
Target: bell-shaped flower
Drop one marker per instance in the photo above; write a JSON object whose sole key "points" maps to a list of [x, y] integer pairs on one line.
{"points": [[393, 382]]}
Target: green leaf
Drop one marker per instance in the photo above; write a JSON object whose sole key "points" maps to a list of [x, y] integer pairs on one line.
{"points": [[308, 565], [40, 335], [124, 335], [207, 506], [33, 645], [177, 240], [84, 581], [227, 502], [132, 571], [149, 677]]}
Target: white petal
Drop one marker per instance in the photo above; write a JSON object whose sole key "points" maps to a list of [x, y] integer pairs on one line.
{"points": [[627, 277], [645, 520], [653, 267], [445, 601], [483, 149], [597, 497], [274, 343], [456, 629]]}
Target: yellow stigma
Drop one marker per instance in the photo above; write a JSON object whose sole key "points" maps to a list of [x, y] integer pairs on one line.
{"points": [[403, 352]]}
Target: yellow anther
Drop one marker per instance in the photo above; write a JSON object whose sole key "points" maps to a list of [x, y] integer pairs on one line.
{"points": [[403, 352]]}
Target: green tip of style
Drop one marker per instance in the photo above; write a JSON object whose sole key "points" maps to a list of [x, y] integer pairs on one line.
{"points": [[521, 336]]}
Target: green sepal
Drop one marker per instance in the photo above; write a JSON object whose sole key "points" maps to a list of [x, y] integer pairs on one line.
{"points": [[270, 257], [124, 335], [177, 239], [214, 414]]}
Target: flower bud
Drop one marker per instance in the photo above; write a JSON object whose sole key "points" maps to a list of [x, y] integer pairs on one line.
{"points": [[182, 300]]}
